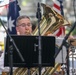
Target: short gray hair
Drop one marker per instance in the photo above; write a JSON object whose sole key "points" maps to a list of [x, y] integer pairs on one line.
{"points": [[21, 17]]}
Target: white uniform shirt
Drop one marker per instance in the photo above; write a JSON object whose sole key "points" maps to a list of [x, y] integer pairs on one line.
{"points": [[2, 64]]}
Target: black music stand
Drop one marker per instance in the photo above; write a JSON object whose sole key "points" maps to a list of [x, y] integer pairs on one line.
{"points": [[29, 50]]}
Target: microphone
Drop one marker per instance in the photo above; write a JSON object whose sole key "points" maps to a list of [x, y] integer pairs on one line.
{"points": [[38, 14]]}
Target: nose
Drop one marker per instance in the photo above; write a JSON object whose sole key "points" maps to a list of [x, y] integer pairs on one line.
{"points": [[26, 27]]}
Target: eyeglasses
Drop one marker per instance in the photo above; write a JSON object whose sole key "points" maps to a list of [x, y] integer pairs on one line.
{"points": [[24, 25]]}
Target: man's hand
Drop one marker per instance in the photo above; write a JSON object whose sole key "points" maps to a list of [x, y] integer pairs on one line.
{"points": [[50, 34]]}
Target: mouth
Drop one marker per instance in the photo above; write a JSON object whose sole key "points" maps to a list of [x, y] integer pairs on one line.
{"points": [[27, 32]]}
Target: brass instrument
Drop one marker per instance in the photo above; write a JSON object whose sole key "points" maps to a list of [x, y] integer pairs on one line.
{"points": [[50, 22]]}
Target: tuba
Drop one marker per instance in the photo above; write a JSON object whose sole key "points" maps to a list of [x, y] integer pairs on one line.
{"points": [[50, 22]]}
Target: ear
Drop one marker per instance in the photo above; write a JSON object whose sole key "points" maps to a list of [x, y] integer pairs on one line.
{"points": [[17, 31]]}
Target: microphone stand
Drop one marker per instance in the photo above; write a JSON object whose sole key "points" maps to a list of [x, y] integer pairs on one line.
{"points": [[38, 15], [64, 43], [62, 13], [11, 50]]}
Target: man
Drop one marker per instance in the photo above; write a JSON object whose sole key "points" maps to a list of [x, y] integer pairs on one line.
{"points": [[24, 27]]}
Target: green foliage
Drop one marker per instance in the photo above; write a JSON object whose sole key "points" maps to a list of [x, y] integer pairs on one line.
{"points": [[74, 31], [24, 2]]}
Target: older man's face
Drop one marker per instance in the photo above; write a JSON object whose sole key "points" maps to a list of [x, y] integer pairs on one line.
{"points": [[24, 27]]}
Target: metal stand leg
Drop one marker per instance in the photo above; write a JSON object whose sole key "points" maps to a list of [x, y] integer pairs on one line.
{"points": [[29, 71]]}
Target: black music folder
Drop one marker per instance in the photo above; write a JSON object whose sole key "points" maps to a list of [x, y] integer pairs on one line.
{"points": [[27, 45]]}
